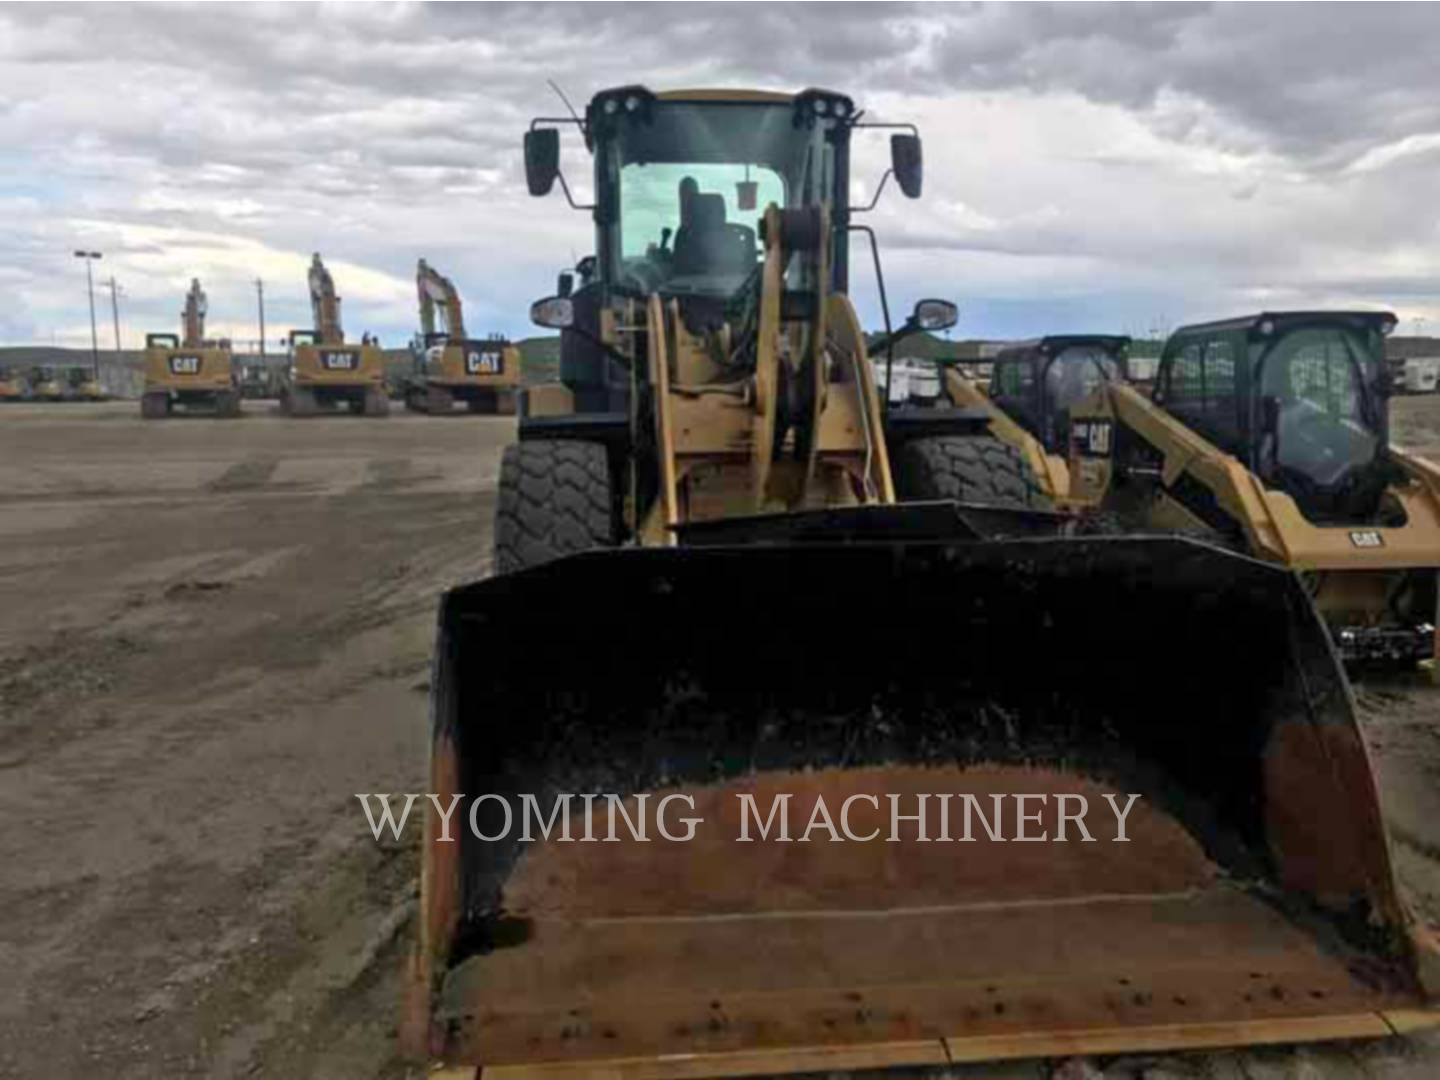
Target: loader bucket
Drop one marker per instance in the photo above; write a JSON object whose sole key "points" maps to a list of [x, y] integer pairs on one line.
{"points": [[1251, 899]]}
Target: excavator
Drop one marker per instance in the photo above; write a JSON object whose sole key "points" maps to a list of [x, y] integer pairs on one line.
{"points": [[188, 370], [700, 806], [484, 373], [325, 371], [1268, 434]]}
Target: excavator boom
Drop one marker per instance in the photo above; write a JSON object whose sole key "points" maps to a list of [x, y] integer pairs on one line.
{"points": [[324, 304], [439, 295], [193, 318]]}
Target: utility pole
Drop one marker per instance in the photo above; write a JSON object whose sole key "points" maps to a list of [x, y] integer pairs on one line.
{"points": [[115, 292], [90, 257], [260, 298]]}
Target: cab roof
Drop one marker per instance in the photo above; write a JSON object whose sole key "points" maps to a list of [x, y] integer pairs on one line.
{"points": [[1053, 343], [1252, 323]]}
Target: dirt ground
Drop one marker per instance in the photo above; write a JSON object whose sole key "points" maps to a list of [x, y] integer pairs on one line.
{"points": [[212, 635]]}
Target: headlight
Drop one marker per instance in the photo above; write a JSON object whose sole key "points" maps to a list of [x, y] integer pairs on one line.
{"points": [[554, 312], [611, 106], [632, 103]]}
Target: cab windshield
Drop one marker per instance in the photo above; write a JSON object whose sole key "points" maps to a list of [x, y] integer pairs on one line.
{"points": [[694, 180], [1323, 430], [1076, 373]]}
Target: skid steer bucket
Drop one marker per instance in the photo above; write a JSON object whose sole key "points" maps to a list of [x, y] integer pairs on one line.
{"points": [[888, 691]]}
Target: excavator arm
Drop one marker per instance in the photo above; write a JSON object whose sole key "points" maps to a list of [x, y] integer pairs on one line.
{"points": [[193, 317], [438, 295], [325, 304]]}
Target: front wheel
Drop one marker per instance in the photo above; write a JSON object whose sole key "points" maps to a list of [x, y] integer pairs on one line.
{"points": [[555, 500], [969, 468]]}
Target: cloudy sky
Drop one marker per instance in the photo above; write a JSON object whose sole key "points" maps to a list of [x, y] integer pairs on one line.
{"points": [[1088, 167]]}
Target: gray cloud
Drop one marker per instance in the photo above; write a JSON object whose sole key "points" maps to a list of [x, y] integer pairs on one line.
{"points": [[1082, 158]]}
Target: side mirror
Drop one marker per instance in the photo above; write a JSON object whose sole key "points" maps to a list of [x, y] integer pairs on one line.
{"points": [[935, 315], [747, 194], [542, 160], [907, 162], [553, 313], [565, 284]]}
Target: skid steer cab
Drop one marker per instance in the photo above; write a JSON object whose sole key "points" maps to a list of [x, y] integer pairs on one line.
{"points": [[1270, 434], [707, 529], [1032, 388]]}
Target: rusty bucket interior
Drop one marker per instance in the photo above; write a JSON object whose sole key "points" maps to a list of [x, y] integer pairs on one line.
{"points": [[1251, 899]]}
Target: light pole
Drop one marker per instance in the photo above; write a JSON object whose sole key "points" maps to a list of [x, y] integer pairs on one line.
{"points": [[90, 257], [115, 293], [260, 299]]}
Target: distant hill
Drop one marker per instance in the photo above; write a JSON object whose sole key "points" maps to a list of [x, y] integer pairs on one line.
{"points": [[18, 356]]}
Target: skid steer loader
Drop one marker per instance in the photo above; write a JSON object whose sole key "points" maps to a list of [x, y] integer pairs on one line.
{"points": [[450, 366], [193, 373], [719, 557], [325, 372], [1033, 385], [1270, 434]]}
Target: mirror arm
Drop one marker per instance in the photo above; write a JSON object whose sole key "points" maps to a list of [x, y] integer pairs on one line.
{"points": [[889, 338], [568, 197], [878, 191]]}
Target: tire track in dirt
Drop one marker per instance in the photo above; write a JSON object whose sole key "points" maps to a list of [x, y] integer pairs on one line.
{"points": [[245, 475]]}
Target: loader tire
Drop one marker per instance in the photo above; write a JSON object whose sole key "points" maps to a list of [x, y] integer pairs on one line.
{"points": [[555, 500], [968, 468]]}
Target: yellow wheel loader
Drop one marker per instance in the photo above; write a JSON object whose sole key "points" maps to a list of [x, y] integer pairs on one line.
{"points": [[83, 384], [696, 811], [12, 386], [1270, 434], [192, 372], [450, 366], [45, 384], [325, 372]]}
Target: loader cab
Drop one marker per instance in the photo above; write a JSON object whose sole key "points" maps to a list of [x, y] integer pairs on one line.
{"points": [[1036, 383], [1299, 397], [682, 181]]}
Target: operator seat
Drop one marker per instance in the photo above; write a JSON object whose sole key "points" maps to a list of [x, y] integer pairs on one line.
{"points": [[708, 244]]}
